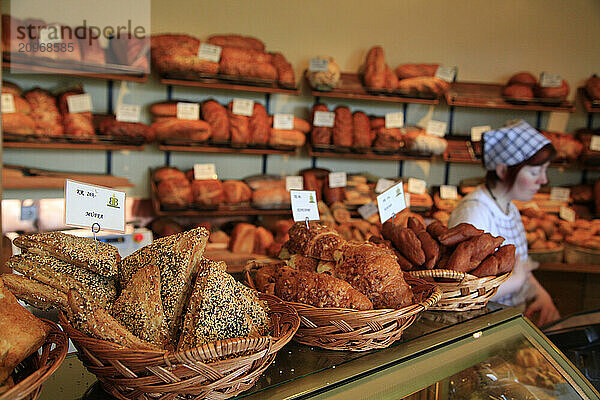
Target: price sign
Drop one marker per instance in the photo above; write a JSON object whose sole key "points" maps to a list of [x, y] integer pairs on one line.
{"points": [[8, 103], [188, 111], [394, 120], [209, 52], [416, 186], [550, 80], [595, 143], [477, 132], [205, 171], [243, 107], [446, 73], [324, 118], [368, 210], [568, 214], [383, 185], [28, 211], [128, 113], [318, 65], [448, 192], [50, 34], [560, 194], [283, 121], [532, 204], [86, 205], [337, 179], [79, 103], [304, 205], [436, 128], [294, 183], [391, 202]]}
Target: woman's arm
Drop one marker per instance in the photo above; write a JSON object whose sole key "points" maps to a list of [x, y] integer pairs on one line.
{"points": [[542, 304]]}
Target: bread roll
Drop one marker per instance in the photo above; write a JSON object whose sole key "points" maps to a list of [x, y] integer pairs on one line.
{"points": [[175, 193], [207, 192], [216, 116], [236, 192]]}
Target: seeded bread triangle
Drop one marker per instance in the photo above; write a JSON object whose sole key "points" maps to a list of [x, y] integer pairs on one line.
{"points": [[38, 294]]}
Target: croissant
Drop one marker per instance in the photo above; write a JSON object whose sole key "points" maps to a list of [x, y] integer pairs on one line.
{"points": [[318, 242]]}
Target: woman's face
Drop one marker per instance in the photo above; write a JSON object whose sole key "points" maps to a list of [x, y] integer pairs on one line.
{"points": [[529, 180]]}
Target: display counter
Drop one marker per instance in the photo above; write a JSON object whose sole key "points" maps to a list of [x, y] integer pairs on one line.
{"points": [[479, 353]]}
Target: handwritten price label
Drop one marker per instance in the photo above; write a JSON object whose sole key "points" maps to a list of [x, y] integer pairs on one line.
{"points": [[550, 80], [595, 143], [188, 111], [79, 103], [368, 210], [337, 179], [304, 205], [209, 52], [128, 113], [8, 103], [416, 186], [318, 65], [446, 73], [568, 214], [243, 107], [205, 171], [383, 185], [560, 194], [391, 202], [294, 183], [448, 192], [283, 121], [477, 132], [394, 120], [324, 118], [436, 128]]}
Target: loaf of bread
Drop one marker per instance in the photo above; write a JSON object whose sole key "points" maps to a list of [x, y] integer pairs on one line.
{"points": [[362, 136], [592, 87], [239, 126], [18, 123], [271, 197], [258, 125], [375, 69], [522, 78], [388, 139], [263, 239], [207, 193], [164, 173], [285, 71], [178, 55], [242, 240], [126, 130], [424, 85], [216, 116], [174, 129], [320, 135], [404, 71], [343, 128], [243, 42], [325, 80], [48, 120], [164, 109], [286, 138], [518, 91], [236, 192], [332, 195], [38, 294], [75, 124], [558, 93], [174, 193]]}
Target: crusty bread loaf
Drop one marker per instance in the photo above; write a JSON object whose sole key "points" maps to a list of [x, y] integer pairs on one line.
{"points": [[592, 87], [559, 93], [125, 130], [236, 192], [48, 120], [38, 294], [207, 192], [244, 42], [181, 129], [164, 109], [270, 197], [285, 71], [362, 136], [18, 123], [258, 125], [342, 128], [178, 54], [285, 137], [319, 241], [239, 127], [522, 78], [216, 115], [243, 238], [320, 135], [263, 239], [404, 71], [518, 91], [164, 173]]}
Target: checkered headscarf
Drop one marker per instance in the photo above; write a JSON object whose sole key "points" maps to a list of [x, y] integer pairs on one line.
{"points": [[511, 145]]}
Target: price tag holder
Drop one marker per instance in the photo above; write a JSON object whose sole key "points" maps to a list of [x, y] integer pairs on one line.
{"points": [[243, 107], [188, 111], [550, 80], [416, 186], [391, 202], [209, 52], [394, 120], [560, 194], [436, 128], [294, 183], [205, 171], [368, 210], [383, 185], [446, 73], [86, 205], [79, 103], [50, 34], [477, 132], [128, 113], [324, 118], [8, 103], [318, 65], [29, 211], [595, 143], [337, 179], [304, 205], [568, 214], [448, 192], [283, 121]]}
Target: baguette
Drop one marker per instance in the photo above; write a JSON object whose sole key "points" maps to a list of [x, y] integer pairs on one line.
{"points": [[38, 294]]}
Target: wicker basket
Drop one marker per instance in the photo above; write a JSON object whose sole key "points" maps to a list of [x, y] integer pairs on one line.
{"points": [[345, 329], [217, 370], [39, 366], [548, 256], [581, 255], [462, 291]]}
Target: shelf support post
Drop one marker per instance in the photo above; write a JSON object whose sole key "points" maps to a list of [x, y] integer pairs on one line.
{"points": [[264, 163], [108, 162], [168, 158]]}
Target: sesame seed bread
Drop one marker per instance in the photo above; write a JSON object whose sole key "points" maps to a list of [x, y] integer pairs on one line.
{"points": [[37, 294], [98, 257], [139, 307]]}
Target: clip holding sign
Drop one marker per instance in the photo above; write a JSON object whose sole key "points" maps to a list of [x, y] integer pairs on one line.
{"points": [[95, 229], [306, 221]]}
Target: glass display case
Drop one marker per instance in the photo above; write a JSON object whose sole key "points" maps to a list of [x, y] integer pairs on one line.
{"points": [[492, 353]]}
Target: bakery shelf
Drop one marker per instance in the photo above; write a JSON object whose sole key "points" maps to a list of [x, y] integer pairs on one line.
{"points": [[14, 177], [563, 267], [369, 155], [214, 83], [489, 95], [591, 106], [70, 146], [219, 149], [350, 87], [227, 212]]}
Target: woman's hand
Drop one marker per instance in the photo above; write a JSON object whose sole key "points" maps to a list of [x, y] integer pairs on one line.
{"points": [[543, 305]]}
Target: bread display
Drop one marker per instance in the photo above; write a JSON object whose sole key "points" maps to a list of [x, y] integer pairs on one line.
{"points": [[320, 135], [567, 147], [424, 85], [75, 124], [406, 71], [242, 42], [48, 120], [175, 129], [216, 116], [178, 54], [343, 127], [592, 87], [325, 80], [376, 73], [258, 125], [207, 193]]}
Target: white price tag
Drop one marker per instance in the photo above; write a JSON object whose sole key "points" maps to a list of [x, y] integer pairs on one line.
{"points": [[209, 52], [79, 103], [568, 214], [283, 121], [324, 118], [368, 210], [188, 111], [436, 128], [407, 199], [477, 132], [8, 103], [318, 65], [337, 179], [532, 204], [243, 107], [205, 171], [560, 194], [304, 205], [550, 80], [595, 143], [448, 192], [50, 34], [391, 202], [128, 113], [416, 186], [86, 205], [394, 120], [446, 73], [294, 183], [383, 185]]}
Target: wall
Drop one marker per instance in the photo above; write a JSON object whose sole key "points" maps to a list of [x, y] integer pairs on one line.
{"points": [[488, 41]]}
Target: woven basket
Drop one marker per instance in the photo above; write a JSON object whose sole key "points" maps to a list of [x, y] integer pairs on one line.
{"points": [[217, 370], [352, 330], [39, 366], [462, 291]]}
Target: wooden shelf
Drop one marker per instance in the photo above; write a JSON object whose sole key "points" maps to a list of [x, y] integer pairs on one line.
{"points": [[18, 67], [215, 149], [489, 95], [370, 155], [562, 267], [15, 179], [70, 146], [222, 213], [591, 107], [350, 87], [220, 84]]}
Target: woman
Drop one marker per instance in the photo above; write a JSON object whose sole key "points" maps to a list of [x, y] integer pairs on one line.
{"points": [[516, 158]]}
